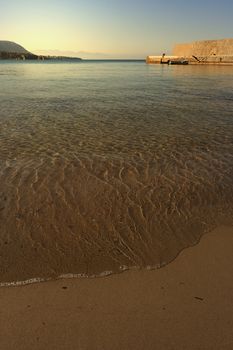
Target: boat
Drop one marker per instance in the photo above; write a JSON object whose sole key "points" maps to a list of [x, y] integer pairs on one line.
{"points": [[164, 62], [179, 62]]}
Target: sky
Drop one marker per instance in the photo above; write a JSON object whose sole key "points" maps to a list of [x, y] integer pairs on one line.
{"points": [[112, 28]]}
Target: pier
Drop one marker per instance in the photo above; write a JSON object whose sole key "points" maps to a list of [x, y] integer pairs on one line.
{"points": [[217, 52]]}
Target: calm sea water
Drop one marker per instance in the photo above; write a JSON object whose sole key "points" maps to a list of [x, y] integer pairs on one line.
{"points": [[106, 165]]}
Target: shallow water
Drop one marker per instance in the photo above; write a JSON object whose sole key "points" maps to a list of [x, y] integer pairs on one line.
{"points": [[105, 166]]}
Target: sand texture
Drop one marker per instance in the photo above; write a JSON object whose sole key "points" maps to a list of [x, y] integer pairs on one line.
{"points": [[186, 305]]}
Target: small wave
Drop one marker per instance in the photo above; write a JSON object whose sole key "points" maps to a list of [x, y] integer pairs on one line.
{"points": [[122, 269], [63, 276]]}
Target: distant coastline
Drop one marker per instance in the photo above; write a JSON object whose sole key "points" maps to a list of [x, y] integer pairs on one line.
{"points": [[20, 57], [12, 51]]}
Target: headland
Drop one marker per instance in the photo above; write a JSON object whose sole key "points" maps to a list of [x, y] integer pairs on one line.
{"points": [[12, 51]]}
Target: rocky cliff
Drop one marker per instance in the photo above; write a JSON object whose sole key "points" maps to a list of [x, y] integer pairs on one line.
{"points": [[205, 48]]}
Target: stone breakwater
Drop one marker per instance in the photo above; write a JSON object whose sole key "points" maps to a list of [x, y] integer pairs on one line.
{"points": [[205, 48], [201, 52]]}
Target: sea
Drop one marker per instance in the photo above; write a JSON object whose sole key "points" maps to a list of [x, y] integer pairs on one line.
{"points": [[110, 165]]}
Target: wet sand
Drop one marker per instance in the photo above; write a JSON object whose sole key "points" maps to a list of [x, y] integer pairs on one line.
{"points": [[186, 305], [89, 216]]}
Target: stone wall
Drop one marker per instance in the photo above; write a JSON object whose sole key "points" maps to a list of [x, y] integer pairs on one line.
{"points": [[205, 48], [157, 59]]}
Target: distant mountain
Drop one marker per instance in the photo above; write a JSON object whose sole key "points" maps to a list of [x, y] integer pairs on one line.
{"points": [[11, 50], [82, 54], [11, 47]]}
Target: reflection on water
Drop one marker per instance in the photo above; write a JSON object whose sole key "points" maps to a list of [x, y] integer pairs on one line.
{"points": [[110, 165]]}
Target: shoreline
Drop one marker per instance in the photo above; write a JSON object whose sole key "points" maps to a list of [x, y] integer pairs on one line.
{"points": [[103, 274], [134, 309]]}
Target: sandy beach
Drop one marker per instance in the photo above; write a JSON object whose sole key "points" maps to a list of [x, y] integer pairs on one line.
{"points": [[116, 175], [186, 305]]}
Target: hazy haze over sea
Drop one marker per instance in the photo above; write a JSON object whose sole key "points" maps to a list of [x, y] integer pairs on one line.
{"points": [[105, 165]]}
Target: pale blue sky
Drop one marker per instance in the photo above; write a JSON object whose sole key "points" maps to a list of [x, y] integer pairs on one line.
{"points": [[120, 28]]}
